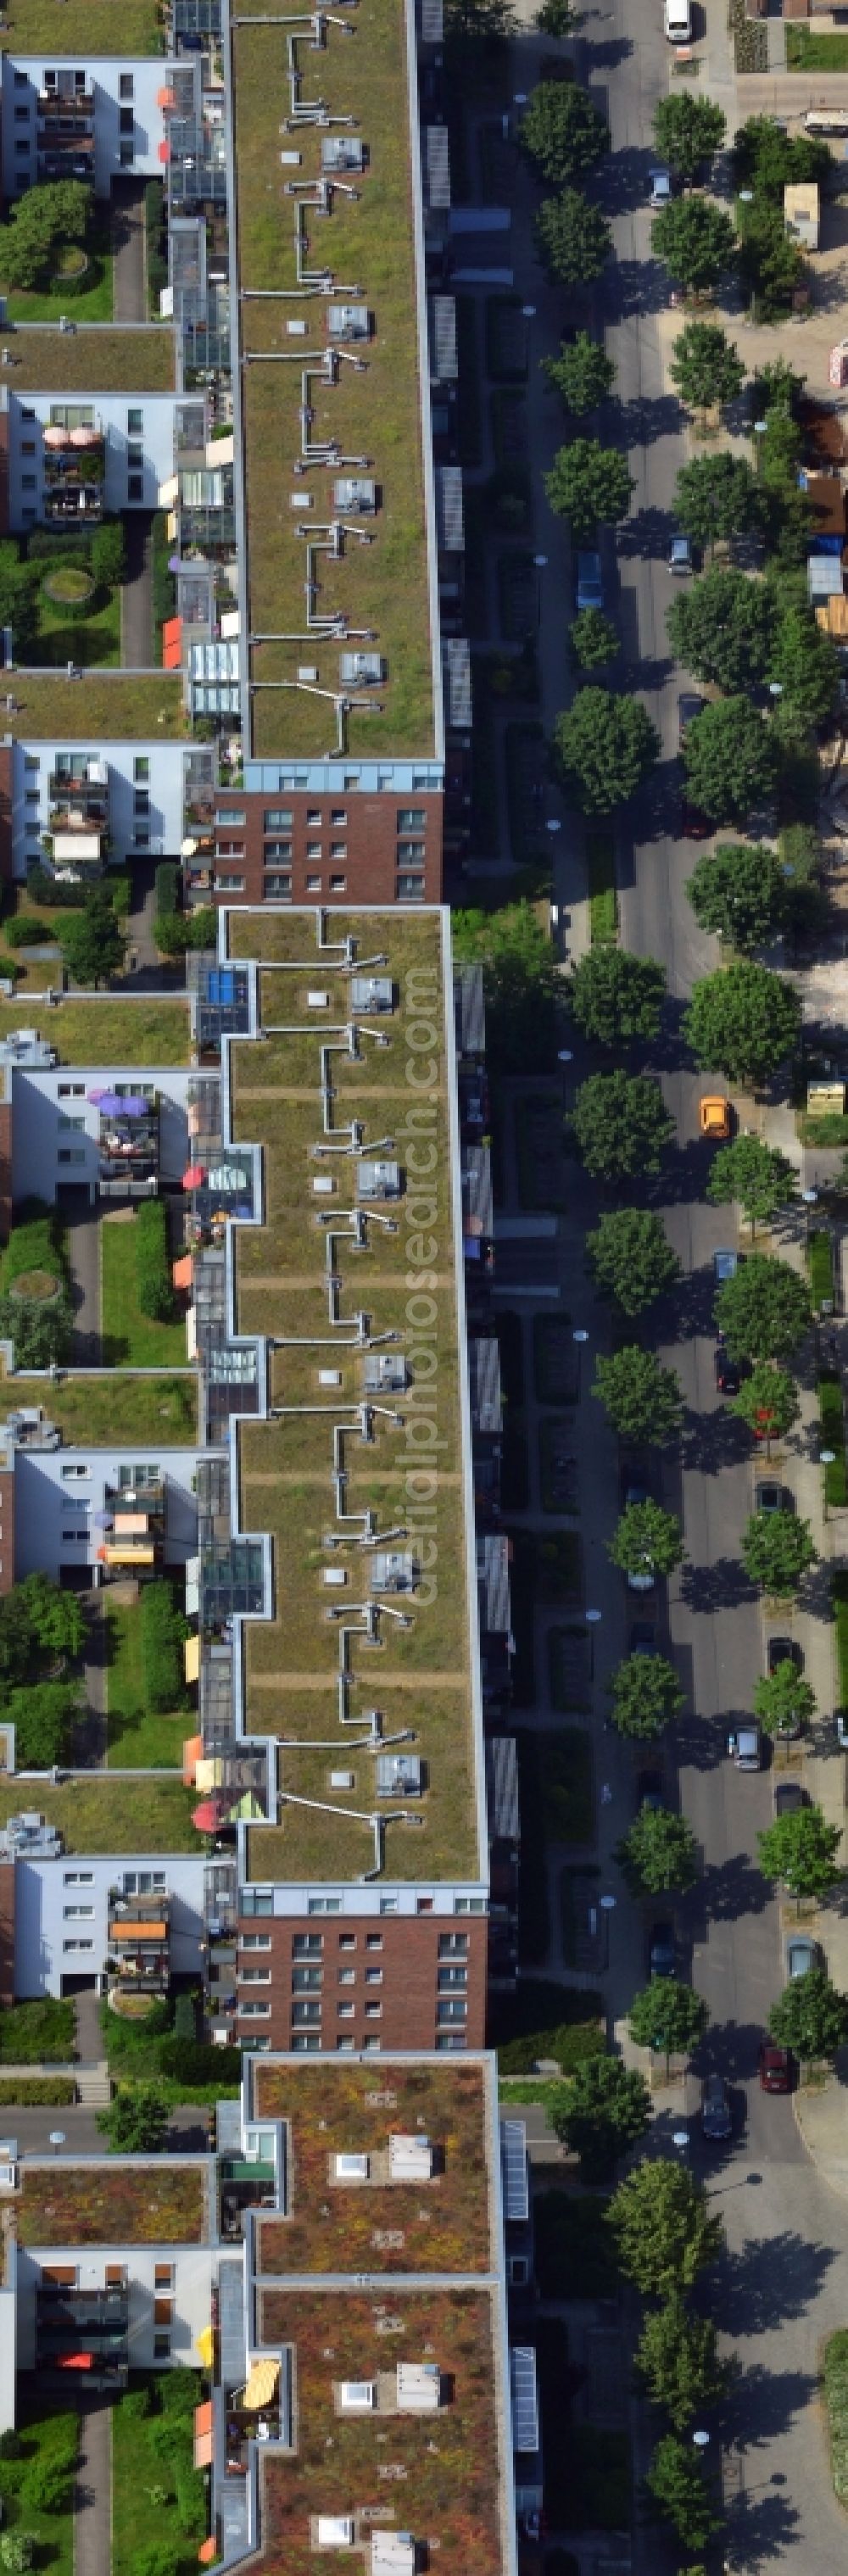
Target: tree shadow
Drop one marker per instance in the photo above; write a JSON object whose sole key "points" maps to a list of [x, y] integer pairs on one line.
{"points": [[650, 416], [733, 1887], [713, 1441], [609, 52], [763, 2526], [770, 2281], [722, 1586], [647, 534], [634, 286], [624, 182]]}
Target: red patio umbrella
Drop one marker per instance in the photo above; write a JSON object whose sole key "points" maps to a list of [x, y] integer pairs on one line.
{"points": [[210, 1814], [193, 1177]]}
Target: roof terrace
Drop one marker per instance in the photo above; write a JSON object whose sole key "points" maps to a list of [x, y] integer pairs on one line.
{"points": [[385, 2171], [360, 1473], [326, 395]]}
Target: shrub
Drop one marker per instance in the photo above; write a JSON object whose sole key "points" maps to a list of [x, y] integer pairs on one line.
{"points": [[163, 1630], [24, 930], [37, 2093], [152, 1265], [136, 2403], [108, 554], [185, 2017], [166, 881], [34, 1244], [46, 889], [196, 2061], [10, 968]]}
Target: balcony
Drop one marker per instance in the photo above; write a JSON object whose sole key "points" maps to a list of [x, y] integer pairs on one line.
{"points": [[74, 473]]}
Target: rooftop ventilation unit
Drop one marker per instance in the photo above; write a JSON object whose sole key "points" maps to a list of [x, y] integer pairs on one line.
{"points": [[350, 2168], [385, 1371], [411, 2159], [372, 993], [419, 2387], [355, 495], [393, 1570], [348, 322], [361, 670], [342, 152], [334, 2530], [378, 1180], [358, 2396], [400, 1775]]}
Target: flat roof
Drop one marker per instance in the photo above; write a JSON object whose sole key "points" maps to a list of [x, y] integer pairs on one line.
{"points": [[108, 1811], [94, 357], [110, 1408], [442, 2475], [127, 2200], [96, 707], [411, 1474], [88, 27], [439, 2223], [374, 417], [105, 1029]]}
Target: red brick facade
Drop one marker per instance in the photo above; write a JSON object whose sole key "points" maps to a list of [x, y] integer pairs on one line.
{"points": [[328, 849], [5, 1170], [7, 1932], [373, 1977], [7, 1531]]}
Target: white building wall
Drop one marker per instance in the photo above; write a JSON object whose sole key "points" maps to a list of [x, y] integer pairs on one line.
{"points": [[132, 483], [193, 2269], [64, 1902], [154, 769], [53, 1116], [63, 1491], [23, 78]]}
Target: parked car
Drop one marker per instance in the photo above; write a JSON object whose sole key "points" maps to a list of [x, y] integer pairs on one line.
{"points": [[689, 705], [745, 1745], [643, 1637], [725, 1265], [694, 825], [680, 554], [775, 2067], [771, 1496], [649, 1791], [714, 1117], [633, 1490], [842, 1729], [801, 1955], [784, 1650], [789, 1797], [716, 2120], [590, 588], [662, 1951], [728, 1375]]}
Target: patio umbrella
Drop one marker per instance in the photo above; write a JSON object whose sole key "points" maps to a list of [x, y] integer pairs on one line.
{"points": [[175, 563], [227, 1176], [110, 1103], [55, 437], [210, 1814], [83, 438], [193, 1177], [133, 1106]]}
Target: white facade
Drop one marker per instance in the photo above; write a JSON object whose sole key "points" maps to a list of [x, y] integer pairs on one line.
{"points": [[145, 796], [138, 430], [193, 2269], [60, 1495], [62, 1905], [56, 1124], [121, 88]]}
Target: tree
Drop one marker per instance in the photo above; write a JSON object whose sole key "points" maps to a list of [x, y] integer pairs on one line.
{"points": [[688, 130], [777, 1552], [39, 1621], [767, 1402], [647, 1540], [667, 2017], [604, 746], [770, 264], [800, 1850], [768, 159], [17, 2550], [646, 1695], [642, 1398], [677, 2358], [744, 1019], [631, 1259], [805, 665], [783, 1701], [582, 374], [19, 604], [136, 2123], [722, 627], [588, 482], [716, 496], [658, 1853], [92, 941], [695, 241], [665, 2232], [607, 2108], [765, 1311], [563, 131], [472, 25], [755, 1176], [556, 18], [740, 892], [573, 237], [43, 1717], [729, 760], [521, 980], [705, 366], [40, 225], [617, 997], [593, 639], [810, 2016], [677, 2481], [621, 1125]]}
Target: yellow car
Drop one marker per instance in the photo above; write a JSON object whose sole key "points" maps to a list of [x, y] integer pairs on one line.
{"points": [[714, 1118]]}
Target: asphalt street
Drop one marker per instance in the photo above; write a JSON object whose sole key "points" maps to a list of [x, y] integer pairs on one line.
{"points": [[784, 2285]]}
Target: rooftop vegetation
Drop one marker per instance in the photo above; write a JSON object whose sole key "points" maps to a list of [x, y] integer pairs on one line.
{"points": [[443, 2223], [115, 706], [98, 1410], [88, 27], [93, 359], [109, 1031], [113, 2203], [383, 586], [104, 1812]]}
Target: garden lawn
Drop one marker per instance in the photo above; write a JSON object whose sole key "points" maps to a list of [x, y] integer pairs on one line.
{"points": [[138, 2473], [93, 641], [35, 2031], [807, 51], [131, 1339], [136, 1739], [568, 1785], [42, 2434], [92, 304]]}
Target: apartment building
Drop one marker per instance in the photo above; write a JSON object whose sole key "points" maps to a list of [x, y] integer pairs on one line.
{"points": [[341, 2268], [315, 1474], [286, 402]]}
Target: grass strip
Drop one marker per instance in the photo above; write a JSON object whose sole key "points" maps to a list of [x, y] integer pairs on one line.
{"points": [[568, 1784], [832, 1419], [534, 1923], [835, 2379], [603, 899], [131, 1339], [820, 1268], [839, 1597], [137, 1738]]}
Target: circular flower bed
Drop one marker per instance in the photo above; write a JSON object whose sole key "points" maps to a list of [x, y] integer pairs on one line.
{"points": [[37, 1286], [73, 263], [70, 585]]}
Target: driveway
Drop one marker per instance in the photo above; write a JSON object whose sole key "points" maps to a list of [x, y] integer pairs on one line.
{"points": [[128, 243], [83, 1233], [137, 652]]}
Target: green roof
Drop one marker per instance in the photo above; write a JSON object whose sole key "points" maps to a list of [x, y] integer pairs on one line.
{"points": [[374, 415], [94, 358], [104, 1811], [88, 27], [99, 706], [106, 1030]]}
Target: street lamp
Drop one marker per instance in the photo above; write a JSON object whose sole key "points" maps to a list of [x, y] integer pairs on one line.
{"points": [[701, 2441], [593, 1620], [57, 2139], [529, 312], [565, 1055], [827, 1458], [579, 1337], [553, 825], [680, 2140], [540, 562]]}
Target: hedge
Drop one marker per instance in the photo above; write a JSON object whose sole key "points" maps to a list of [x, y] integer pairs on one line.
{"points": [[24, 930], [37, 2092], [35, 1243], [109, 554], [836, 2402], [166, 881], [195, 2061], [43, 888], [154, 1285], [163, 1631]]}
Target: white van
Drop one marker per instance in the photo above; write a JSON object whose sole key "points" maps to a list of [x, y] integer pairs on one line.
{"points": [[678, 21]]}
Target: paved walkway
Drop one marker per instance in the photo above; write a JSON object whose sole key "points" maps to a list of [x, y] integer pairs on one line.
{"points": [[129, 247], [84, 1258], [93, 2494], [137, 652]]}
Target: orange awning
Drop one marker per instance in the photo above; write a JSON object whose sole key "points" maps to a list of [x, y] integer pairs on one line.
{"points": [[128, 1555], [182, 1271], [138, 1932], [192, 1754], [76, 2361], [191, 1667], [203, 2436], [172, 643]]}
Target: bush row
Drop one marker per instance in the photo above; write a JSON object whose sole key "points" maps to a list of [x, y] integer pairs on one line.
{"points": [[152, 1264], [163, 1631]]}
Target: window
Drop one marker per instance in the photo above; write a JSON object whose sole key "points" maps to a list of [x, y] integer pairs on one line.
{"points": [[302, 2039], [255, 2012], [323, 1905], [163, 2310], [277, 885], [77, 1945], [163, 2276], [77, 1125], [161, 2347], [141, 800], [31, 797], [409, 889], [314, 850], [68, 415], [423, 1904], [226, 882], [373, 1940], [255, 1976], [135, 423], [338, 818], [230, 815], [388, 1905], [302, 2013], [135, 482], [141, 768], [21, 82], [307, 1981], [411, 854], [63, 2276], [115, 2276], [371, 2044], [347, 1940], [450, 2039], [307, 1945], [313, 818], [449, 1978], [73, 1537], [257, 1900], [230, 850], [71, 1091], [411, 818], [338, 850], [276, 818], [451, 2011], [144, 1882], [84, 1913], [276, 850], [22, 151], [347, 2044], [71, 1154], [126, 85], [127, 120], [76, 1475], [347, 1976], [373, 1976], [255, 1940], [469, 1904], [22, 116], [338, 885], [345, 2012], [29, 482], [77, 1878]]}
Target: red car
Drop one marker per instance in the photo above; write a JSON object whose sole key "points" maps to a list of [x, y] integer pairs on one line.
{"points": [[775, 2068]]}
